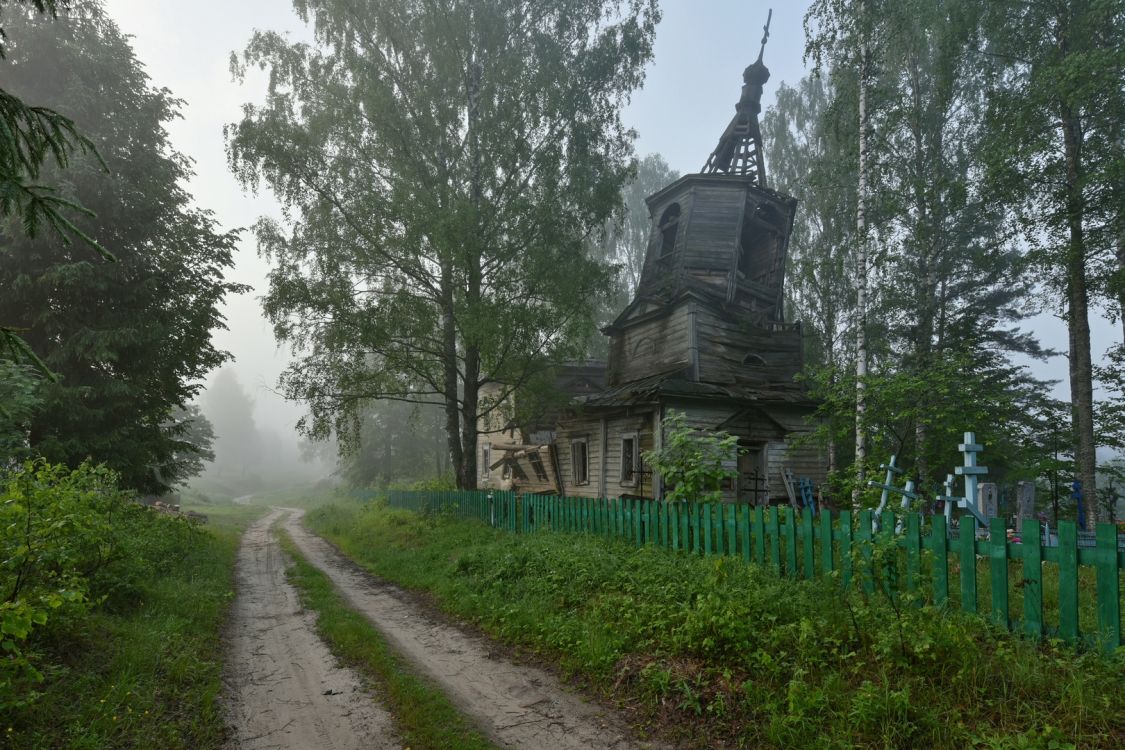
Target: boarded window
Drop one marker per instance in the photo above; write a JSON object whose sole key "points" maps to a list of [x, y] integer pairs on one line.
{"points": [[537, 466], [485, 460], [630, 459], [669, 228], [580, 461]]}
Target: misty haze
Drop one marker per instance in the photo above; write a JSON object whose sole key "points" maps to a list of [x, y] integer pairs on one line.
{"points": [[550, 374]]}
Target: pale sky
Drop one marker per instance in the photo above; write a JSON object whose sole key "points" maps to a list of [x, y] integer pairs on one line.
{"points": [[692, 85]]}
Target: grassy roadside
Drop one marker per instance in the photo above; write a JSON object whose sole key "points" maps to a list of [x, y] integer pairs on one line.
{"points": [[423, 715], [143, 672], [716, 653]]}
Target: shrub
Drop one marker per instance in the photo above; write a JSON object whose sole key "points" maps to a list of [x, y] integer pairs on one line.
{"points": [[70, 541]]}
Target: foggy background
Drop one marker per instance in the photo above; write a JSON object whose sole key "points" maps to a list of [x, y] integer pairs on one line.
{"points": [[688, 98]]}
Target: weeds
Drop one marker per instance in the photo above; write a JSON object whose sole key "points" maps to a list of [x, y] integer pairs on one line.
{"points": [[723, 654]]}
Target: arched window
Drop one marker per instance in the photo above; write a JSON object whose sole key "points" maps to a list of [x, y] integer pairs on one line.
{"points": [[753, 360], [669, 227], [644, 347]]}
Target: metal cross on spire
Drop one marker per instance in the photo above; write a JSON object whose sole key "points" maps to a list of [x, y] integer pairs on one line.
{"points": [[740, 148]]}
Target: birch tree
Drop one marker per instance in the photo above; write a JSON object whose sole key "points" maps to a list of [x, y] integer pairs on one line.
{"points": [[1058, 69], [442, 166]]}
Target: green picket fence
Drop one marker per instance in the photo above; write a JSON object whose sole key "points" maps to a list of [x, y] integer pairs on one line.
{"points": [[808, 546]]}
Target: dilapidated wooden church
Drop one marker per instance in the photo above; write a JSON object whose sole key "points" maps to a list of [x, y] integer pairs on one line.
{"points": [[703, 335]]}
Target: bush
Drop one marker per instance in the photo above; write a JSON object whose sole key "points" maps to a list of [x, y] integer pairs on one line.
{"points": [[70, 541]]}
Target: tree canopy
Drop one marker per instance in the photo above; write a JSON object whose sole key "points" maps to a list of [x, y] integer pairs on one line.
{"points": [[442, 167], [131, 340]]}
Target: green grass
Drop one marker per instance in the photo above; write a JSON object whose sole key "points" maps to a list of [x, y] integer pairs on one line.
{"points": [[145, 674], [425, 718], [717, 653]]}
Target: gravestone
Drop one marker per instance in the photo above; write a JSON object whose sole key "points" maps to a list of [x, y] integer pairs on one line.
{"points": [[989, 500], [1025, 501]]}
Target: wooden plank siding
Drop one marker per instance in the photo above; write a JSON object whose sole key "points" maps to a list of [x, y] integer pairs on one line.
{"points": [[617, 427], [654, 345], [712, 237], [724, 345]]}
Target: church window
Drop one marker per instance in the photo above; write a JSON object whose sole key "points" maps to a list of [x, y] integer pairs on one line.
{"points": [[669, 228], [580, 461], [630, 459]]}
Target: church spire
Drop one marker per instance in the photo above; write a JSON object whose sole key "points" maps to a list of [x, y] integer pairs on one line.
{"points": [[740, 148]]}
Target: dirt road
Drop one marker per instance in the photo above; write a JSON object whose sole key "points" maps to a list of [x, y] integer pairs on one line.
{"points": [[283, 689], [517, 706]]}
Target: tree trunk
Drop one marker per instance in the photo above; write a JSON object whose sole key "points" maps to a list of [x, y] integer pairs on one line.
{"points": [[861, 290], [449, 373], [1078, 318], [473, 249]]}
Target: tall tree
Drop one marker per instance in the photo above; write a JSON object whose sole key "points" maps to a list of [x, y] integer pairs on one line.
{"points": [[1058, 77], [230, 410], [131, 339], [846, 33], [442, 166], [30, 136], [632, 229], [810, 138], [945, 289]]}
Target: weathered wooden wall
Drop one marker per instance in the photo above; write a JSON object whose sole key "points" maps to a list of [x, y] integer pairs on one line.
{"points": [[652, 346]]}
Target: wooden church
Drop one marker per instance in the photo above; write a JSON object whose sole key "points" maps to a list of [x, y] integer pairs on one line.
{"points": [[704, 335]]}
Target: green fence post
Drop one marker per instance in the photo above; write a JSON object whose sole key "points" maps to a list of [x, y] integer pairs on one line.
{"points": [[707, 525], [1108, 587], [1068, 581], [1032, 547], [638, 526], [663, 509], [913, 550], [791, 543], [773, 531], [652, 534], [998, 568], [674, 511], [846, 548], [759, 535], [743, 518], [695, 527], [939, 544], [825, 542], [864, 536], [809, 546], [967, 543], [730, 520]]}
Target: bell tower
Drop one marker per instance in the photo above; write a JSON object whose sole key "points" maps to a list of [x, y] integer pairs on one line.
{"points": [[715, 265]]}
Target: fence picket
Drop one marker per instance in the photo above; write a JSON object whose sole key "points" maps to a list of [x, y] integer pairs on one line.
{"points": [[939, 544], [731, 520], [769, 535], [1108, 587], [998, 570], [1068, 581], [790, 526], [825, 542], [759, 535], [968, 553], [1031, 542], [707, 528], [913, 550], [742, 518], [865, 534], [773, 532], [809, 547]]}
